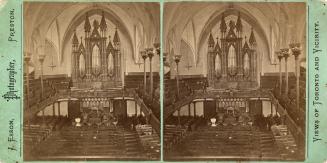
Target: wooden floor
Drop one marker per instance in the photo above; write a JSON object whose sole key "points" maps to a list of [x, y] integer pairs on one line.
{"points": [[225, 143], [90, 143]]}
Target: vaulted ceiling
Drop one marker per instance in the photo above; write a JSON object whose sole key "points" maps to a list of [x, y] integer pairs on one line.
{"points": [[62, 18], [277, 24]]}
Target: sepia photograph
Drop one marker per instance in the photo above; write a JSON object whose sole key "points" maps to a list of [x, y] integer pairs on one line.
{"points": [[91, 81], [234, 81]]}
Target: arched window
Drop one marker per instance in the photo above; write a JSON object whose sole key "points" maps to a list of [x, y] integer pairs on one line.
{"points": [[96, 59], [218, 65], [81, 65], [246, 64], [232, 60], [110, 64]]}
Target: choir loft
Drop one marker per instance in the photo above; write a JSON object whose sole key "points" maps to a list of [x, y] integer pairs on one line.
{"points": [[234, 84], [84, 69]]}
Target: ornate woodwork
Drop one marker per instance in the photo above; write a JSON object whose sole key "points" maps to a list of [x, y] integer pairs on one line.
{"points": [[96, 62], [232, 63]]}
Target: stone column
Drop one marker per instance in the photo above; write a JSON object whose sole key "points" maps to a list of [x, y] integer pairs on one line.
{"points": [[150, 55], [164, 60], [157, 48], [296, 51], [144, 56], [41, 59], [177, 59], [280, 57], [27, 59], [286, 55]]}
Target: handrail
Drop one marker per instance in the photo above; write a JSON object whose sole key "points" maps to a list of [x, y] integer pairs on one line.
{"points": [[153, 120], [296, 131]]}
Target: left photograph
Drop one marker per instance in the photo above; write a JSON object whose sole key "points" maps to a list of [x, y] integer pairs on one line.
{"points": [[91, 81]]}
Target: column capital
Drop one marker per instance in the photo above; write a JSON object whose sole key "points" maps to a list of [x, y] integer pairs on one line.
{"points": [[279, 54], [150, 53], [285, 52], [157, 48], [41, 58], [144, 54], [177, 58], [296, 49], [164, 57], [27, 56]]}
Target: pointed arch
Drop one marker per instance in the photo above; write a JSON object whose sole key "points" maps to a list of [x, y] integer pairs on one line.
{"points": [[246, 64], [231, 57], [96, 59], [218, 65], [81, 65], [110, 64]]}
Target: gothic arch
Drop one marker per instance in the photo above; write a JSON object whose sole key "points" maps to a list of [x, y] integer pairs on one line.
{"points": [[215, 18], [80, 17]]}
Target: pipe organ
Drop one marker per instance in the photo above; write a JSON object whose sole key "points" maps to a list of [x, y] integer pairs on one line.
{"points": [[232, 64], [96, 62]]}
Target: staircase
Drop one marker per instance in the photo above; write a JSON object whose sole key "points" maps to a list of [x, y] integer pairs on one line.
{"points": [[150, 140], [153, 120], [132, 143], [267, 145], [285, 142]]}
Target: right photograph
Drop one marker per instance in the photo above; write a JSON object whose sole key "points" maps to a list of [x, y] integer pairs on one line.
{"points": [[234, 81]]}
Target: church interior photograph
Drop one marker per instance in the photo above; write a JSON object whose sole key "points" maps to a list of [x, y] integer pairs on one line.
{"points": [[234, 81], [91, 81]]}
